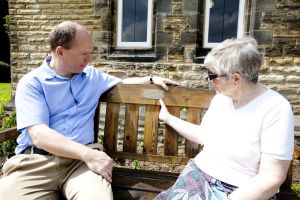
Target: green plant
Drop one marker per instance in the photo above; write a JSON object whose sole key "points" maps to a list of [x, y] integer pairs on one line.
{"points": [[7, 147], [7, 22], [4, 64], [1, 107], [101, 139], [136, 164], [296, 188], [10, 121]]}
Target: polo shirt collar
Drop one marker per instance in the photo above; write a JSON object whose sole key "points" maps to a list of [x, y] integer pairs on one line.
{"points": [[50, 73]]}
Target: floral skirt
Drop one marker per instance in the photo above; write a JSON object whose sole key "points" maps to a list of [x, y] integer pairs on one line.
{"points": [[194, 184]]}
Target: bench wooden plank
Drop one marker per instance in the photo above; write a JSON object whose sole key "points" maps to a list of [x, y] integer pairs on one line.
{"points": [[175, 96], [192, 148], [171, 136], [10, 133], [131, 128], [151, 129], [111, 126]]}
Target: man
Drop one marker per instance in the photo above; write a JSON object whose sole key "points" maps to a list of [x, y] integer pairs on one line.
{"points": [[55, 105]]}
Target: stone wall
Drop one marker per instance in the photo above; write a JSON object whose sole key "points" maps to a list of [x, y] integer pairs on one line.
{"points": [[177, 40]]}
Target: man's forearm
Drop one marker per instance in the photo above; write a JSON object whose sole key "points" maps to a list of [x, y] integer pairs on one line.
{"points": [[57, 144]]}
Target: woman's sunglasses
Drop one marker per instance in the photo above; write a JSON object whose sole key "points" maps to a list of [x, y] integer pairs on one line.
{"points": [[211, 75]]}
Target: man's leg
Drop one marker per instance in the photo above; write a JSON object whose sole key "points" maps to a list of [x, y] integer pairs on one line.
{"points": [[29, 177], [84, 184]]}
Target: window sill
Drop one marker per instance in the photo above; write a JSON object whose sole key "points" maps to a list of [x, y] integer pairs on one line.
{"points": [[133, 56]]}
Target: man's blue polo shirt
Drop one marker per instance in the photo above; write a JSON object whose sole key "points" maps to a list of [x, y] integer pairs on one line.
{"points": [[66, 105]]}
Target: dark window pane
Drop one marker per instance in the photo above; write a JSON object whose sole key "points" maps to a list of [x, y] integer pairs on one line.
{"points": [[223, 20], [216, 21], [231, 15], [141, 20], [128, 20], [134, 25]]}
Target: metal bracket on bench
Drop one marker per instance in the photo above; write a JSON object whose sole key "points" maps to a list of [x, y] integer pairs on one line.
{"points": [[152, 94]]}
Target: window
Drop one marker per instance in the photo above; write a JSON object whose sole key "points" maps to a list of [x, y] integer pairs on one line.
{"points": [[223, 20], [134, 24]]}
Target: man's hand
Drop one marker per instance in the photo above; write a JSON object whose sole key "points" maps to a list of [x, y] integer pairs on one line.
{"points": [[100, 163], [163, 82]]}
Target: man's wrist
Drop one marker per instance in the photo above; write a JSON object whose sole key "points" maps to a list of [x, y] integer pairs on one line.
{"points": [[151, 80]]}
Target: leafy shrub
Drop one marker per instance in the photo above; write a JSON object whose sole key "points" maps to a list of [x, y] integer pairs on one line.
{"points": [[7, 22], [296, 188], [4, 72], [7, 148]]}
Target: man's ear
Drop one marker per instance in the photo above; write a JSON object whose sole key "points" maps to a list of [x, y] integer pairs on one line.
{"points": [[59, 51]]}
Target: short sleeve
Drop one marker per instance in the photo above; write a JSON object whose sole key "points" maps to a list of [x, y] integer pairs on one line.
{"points": [[31, 107], [277, 137]]}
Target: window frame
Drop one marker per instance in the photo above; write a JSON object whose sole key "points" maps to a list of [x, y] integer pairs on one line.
{"points": [[240, 26], [134, 45]]}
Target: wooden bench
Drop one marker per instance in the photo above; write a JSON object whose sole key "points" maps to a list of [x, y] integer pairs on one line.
{"points": [[144, 138]]}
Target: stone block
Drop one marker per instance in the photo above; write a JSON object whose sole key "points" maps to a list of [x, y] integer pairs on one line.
{"points": [[177, 8], [175, 50], [189, 37], [265, 5], [163, 37], [176, 23], [273, 51], [284, 41], [262, 37], [292, 51], [194, 22], [189, 6], [164, 6]]}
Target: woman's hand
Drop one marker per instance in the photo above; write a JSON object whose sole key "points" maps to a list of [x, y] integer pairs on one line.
{"points": [[164, 113]]}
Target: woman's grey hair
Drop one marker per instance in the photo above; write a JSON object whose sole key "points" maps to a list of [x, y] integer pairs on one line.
{"points": [[236, 56], [63, 35]]}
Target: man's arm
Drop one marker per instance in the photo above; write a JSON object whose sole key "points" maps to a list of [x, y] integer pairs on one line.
{"points": [[147, 80], [272, 173], [55, 143]]}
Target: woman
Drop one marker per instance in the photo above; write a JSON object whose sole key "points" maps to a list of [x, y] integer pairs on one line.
{"points": [[247, 132]]}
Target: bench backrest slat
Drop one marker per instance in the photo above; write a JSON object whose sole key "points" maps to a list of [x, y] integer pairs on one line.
{"points": [[151, 129], [131, 128], [111, 126], [193, 116]]}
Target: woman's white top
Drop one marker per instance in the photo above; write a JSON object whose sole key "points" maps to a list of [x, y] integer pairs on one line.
{"points": [[236, 139]]}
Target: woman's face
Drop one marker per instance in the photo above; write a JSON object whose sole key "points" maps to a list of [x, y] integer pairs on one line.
{"points": [[223, 84]]}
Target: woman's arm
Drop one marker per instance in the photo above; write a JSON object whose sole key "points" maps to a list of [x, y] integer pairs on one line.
{"points": [[184, 128], [272, 173]]}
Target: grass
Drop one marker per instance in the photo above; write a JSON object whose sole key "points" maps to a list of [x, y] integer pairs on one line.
{"points": [[5, 95], [5, 92]]}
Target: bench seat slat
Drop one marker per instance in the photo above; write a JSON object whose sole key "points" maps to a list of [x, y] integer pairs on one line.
{"points": [[148, 157]]}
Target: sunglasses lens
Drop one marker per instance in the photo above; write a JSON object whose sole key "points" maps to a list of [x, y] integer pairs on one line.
{"points": [[212, 75]]}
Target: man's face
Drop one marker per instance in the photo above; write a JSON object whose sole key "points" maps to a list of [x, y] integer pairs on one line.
{"points": [[76, 58]]}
